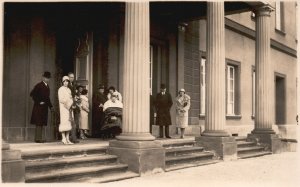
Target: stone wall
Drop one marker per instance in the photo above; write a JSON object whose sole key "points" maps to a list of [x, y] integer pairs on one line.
{"points": [[29, 51], [192, 69]]}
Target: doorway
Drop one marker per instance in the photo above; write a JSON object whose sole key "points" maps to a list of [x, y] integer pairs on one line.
{"points": [[280, 99]]}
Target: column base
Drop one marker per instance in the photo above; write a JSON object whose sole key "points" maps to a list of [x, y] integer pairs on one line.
{"points": [[271, 142], [224, 147], [263, 131], [135, 137], [141, 156], [216, 133], [13, 167]]}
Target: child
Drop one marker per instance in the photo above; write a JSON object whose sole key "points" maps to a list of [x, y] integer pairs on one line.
{"points": [[84, 125]]}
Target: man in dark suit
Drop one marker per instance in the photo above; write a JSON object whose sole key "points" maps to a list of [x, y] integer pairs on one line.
{"points": [[76, 110], [163, 104], [41, 97], [99, 98]]}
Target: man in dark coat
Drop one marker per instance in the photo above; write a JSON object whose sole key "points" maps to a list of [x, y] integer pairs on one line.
{"points": [[41, 97], [76, 111], [99, 98], [163, 104]]}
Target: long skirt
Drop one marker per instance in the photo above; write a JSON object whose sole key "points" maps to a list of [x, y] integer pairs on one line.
{"points": [[66, 118], [181, 121]]}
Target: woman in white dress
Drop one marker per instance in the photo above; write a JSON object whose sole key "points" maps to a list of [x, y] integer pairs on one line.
{"points": [[84, 112], [65, 108], [183, 103]]}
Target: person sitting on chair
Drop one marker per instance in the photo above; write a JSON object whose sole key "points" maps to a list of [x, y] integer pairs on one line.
{"points": [[113, 117]]}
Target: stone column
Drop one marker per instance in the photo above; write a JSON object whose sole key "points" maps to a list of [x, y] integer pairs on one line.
{"points": [[264, 85], [214, 136], [180, 55], [264, 73], [135, 146], [215, 76], [136, 73]]}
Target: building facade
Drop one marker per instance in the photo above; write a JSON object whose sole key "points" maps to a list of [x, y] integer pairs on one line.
{"points": [[91, 40]]}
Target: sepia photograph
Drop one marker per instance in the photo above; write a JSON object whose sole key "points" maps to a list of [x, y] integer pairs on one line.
{"points": [[150, 93]]}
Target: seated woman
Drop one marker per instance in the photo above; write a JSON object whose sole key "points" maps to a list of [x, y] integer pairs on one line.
{"points": [[113, 117]]}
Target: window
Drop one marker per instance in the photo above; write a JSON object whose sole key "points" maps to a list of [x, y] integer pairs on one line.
{"points": [[151, 68], [202, 85], [253, 92], [230, 89], [279, 16], [233, 99]]}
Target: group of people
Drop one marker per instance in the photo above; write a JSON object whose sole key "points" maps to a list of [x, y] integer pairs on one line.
{"points": [[74, 108], [162, 106], [107, 110], [107, 113]]}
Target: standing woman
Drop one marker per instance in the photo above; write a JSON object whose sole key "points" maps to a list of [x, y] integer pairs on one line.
{"points": [[183, 103], [84, 114], [65, 107]]}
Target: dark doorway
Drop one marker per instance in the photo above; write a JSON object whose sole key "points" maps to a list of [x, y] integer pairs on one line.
{"points": [[280, 99]]}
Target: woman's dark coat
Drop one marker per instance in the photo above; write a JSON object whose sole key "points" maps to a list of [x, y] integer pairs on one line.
{"points": [[163, 104], [40, 93]]}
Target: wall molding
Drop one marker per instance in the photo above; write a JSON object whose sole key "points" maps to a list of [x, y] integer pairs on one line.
{"points": [[250, 33]]}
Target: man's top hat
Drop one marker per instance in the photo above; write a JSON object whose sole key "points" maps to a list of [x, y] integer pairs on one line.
{"points": [[47, 74], [163, 86]]}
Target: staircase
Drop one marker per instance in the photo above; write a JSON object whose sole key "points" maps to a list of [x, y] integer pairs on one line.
{"points": [[249, 149], [73, 163], [183, 153]]}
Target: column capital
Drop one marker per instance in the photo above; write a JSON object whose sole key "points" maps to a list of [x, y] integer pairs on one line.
{"points": [[264, 10]]}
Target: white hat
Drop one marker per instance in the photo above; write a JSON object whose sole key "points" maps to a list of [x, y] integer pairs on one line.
{"points": [[65, 78], [181, 90]]}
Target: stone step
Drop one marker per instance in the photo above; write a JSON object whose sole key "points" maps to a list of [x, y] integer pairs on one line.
{"points": [[178, 143], [175, 151], [72, 174], [109, 178], [241, 138], [188, 165], [252, 149], [62, 153], [188, 158], [252, 155], [68, 162], [242, 144]]}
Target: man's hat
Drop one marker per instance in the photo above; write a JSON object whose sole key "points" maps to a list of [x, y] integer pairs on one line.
{"points": [[163, 86], [101, 86], [47, 74]]}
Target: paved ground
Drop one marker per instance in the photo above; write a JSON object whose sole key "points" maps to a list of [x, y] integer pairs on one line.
{"points": [[282, 170]]}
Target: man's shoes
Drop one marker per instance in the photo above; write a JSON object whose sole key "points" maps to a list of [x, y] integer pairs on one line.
{"points": [[168, 137], [75, 141]]}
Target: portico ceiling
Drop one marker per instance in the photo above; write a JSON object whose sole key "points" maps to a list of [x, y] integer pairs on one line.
{"points": [[193, 10]]}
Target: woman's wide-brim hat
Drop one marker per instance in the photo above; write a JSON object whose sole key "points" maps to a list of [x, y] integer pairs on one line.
{"points": [[65, 78], [47, 74], [182, 90]]}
